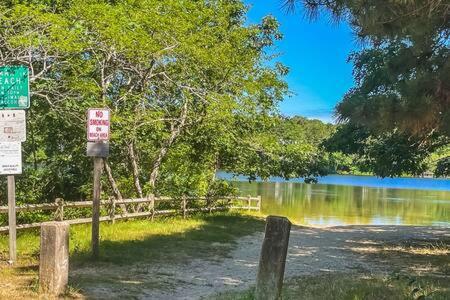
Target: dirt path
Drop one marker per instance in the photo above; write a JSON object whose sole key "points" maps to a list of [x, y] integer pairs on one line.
{"points": [[371, 249]]}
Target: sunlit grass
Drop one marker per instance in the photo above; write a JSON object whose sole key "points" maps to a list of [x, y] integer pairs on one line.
{"points": [[418, 256], [169, 240], [356, 287], [430, 249]]}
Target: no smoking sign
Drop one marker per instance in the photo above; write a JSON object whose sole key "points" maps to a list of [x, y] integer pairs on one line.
{"points": [[98, 124]]}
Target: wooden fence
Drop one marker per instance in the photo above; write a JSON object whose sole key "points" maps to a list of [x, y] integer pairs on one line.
{"points": [[143, 207]]}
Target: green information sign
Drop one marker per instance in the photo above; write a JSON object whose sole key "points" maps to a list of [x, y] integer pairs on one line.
{"points": [[14, 87]]}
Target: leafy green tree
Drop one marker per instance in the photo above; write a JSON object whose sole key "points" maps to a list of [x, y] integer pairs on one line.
{"points": [[443, 167], [184, 81], [284, 147]]}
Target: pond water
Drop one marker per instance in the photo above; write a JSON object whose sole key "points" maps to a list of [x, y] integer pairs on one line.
{"points": [[345, 200]]}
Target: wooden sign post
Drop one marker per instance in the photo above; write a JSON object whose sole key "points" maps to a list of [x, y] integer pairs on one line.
{"points": [[14, 98], [12, 132], [12, 218], [10, 165], [98, 126], [98, 166]]}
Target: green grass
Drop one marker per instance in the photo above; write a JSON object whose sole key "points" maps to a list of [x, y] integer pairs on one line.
{"points": [[212, 237], [165, 240], [357, 287], [170, 239]]}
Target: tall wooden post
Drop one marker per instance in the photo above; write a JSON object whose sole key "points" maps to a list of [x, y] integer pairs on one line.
{"points": [[98, 167], [98, 125], [273, 259], [12, 218]]}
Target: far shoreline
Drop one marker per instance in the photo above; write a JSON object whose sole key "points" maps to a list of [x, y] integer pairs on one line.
{"points": [[370, 181]]}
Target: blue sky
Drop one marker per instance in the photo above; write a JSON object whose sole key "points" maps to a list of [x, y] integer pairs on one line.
{"points": [[316, 53]]}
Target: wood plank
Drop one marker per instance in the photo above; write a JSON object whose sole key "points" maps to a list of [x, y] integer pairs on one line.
{"points": [[118, 217]]}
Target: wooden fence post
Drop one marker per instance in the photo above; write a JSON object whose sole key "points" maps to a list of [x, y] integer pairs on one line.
{"points": [[59, 215], [152, 205], [249, 202], [112, 210], [273, 259], [54, 258], [12, 218], [259, 203], [183, 206], [60, 206]]}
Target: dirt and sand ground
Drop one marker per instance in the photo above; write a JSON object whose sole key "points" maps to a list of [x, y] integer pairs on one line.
{"points": [[347, 249]]}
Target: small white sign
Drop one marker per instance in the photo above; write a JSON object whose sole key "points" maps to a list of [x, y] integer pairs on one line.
{"points": [[12, 126], [98, 123], [10, 158]]}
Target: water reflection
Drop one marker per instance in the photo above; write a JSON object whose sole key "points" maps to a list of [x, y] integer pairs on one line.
{"points": [[327, 204]]}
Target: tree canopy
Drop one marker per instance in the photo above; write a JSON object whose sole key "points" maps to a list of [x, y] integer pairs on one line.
{"points": [[186, 81], [192, 89], [401, 99]]}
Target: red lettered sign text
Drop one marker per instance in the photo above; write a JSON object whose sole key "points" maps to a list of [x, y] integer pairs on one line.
{"points": [[98, 123]]}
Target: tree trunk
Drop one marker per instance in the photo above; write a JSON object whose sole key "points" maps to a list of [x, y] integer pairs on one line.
{"points": [[216, 167], [175, 132], [137, 184], [115, 188], [135, 168]]}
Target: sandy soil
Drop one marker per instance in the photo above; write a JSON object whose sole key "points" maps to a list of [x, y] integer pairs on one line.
{"points": [[369, 249]]}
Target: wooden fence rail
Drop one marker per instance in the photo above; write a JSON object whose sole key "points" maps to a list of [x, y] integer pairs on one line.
{"points": [[248, 203]]}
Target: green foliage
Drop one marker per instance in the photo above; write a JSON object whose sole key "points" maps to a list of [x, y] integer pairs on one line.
{"points": [[393, 154], [187, 83], [443, 167], [402, 89], [285, 147], [390, 154]]}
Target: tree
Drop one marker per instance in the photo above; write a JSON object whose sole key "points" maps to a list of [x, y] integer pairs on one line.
{"points": [[288, 147], [176, 76], [402, 75], [443, 167]]}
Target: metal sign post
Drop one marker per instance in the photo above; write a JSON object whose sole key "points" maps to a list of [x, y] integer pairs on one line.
{"points": [[14, 97], [98, 127]]}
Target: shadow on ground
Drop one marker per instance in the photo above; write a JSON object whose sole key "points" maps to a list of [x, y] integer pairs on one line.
{"points": [[222, 255], [132, 267], [362, 262], [219, 253], [373, 248]]}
